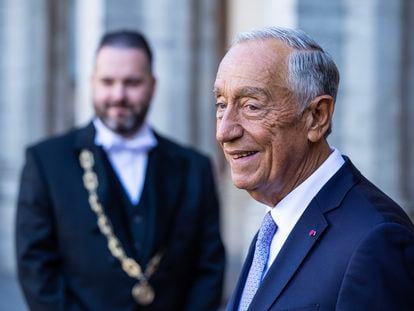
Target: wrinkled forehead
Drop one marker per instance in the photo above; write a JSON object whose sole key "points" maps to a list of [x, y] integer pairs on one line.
{"points": [[261, 60]]}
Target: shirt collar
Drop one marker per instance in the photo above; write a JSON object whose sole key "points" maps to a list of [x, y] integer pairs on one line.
{"points": [[143, 140], [288, 211]]}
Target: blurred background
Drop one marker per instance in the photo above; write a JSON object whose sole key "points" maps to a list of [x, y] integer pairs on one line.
{"points": [[46, 55]]}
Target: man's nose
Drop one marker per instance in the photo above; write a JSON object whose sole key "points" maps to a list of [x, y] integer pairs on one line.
{"points": [[228, 127], [118, 92]]}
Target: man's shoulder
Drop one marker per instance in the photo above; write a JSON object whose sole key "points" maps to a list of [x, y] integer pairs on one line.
{"points": [[65, 140], [367, 200], [385, 207]]}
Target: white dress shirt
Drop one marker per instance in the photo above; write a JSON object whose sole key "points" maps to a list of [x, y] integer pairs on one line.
{"points": [[128, 156], [288, 211]]}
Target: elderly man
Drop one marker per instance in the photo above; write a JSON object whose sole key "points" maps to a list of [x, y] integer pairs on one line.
{"points": [[330, 240]]}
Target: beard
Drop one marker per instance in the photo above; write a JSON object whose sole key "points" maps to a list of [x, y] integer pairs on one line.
{"points": [[125, 125]]}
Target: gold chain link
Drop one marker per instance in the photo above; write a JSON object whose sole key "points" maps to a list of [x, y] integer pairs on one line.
{"points": [[129, 265]]}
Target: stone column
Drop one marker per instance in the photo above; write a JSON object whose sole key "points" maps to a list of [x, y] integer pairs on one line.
{"points": [[88, 20], [23, 116], [371, 86], [59, 66]]}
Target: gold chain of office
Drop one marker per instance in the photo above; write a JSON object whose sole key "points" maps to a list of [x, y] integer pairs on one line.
{"points": [[142, 291]]}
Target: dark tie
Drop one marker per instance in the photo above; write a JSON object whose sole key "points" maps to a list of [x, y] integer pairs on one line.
{"points": [[260, 257]]}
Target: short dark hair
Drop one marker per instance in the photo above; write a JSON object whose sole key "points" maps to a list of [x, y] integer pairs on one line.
{"points": [[126, 39]]}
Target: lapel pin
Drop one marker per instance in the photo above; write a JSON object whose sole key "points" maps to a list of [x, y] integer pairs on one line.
{"points": [[312, 233]]}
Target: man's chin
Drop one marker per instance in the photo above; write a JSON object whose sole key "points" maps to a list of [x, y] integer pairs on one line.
{"points": [[126, 128], [242, 183]]}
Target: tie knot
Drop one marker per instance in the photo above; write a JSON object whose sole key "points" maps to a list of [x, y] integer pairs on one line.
{"points": [[267, 230]]}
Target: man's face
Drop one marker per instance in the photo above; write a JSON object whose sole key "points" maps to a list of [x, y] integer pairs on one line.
{"points": [[122, 86], [258, 122]]}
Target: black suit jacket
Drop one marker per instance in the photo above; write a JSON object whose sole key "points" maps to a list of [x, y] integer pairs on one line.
{"points": [[361, 257], [63, 259]]}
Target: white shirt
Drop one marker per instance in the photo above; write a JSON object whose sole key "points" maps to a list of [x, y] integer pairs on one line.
{"points": [[288, 211], [128, 156]]}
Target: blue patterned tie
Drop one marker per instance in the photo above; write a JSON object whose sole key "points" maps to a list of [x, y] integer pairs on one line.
{"points": [[261, 255]]}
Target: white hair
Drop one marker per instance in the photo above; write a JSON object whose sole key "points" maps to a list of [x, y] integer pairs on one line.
{"points": [[312, 72]]}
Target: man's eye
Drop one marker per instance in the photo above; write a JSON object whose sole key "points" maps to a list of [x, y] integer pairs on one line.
{"points": [[252, 107], [133, 82], [220, 106], [220, 109], [106, 81]]}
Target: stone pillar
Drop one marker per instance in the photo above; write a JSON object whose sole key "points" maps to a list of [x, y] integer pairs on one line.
{"points": [[123, 14], [170, 38], [59, 66], [35, 99], [207, 44], [23, 117], [88, 20], [371, 87]]}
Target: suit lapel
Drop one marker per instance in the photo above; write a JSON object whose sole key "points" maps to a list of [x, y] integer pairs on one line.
{"points": [[103, 175], [293, 252], [114, 201], [300, 241], [161, 194], [113, 205], [148, 204], [85, 140]]}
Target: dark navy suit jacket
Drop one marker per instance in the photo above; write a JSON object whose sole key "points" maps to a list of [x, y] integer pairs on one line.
{"points": [[63, 259], [361, 258]]}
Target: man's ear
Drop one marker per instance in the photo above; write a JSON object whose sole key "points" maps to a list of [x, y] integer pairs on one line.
{"points": [[154, 85], [319, 117]]}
